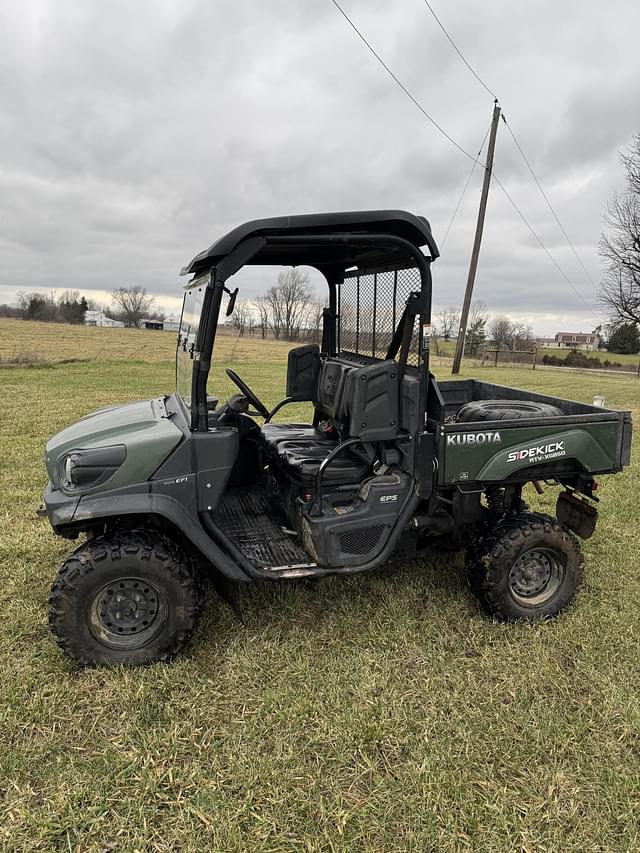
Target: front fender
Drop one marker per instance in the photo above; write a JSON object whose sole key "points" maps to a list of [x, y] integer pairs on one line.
{"points": [[81, 513]]}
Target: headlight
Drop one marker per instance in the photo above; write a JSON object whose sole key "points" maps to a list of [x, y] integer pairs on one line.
{"points": [[69, 465], [85, 469]]}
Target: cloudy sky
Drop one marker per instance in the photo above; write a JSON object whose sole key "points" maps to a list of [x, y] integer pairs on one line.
{"points": [[134, 133]]}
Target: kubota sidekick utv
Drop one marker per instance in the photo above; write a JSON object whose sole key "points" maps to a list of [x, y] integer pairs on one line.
{"points": [[392, 463]]}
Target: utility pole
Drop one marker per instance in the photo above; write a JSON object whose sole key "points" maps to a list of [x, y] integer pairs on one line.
{"points": [[473, 266]]}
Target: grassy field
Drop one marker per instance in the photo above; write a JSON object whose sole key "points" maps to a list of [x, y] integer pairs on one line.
{"points": [[55, 343], [377, 713]]}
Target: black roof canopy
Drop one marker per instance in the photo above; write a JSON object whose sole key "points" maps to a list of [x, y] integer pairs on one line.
{"points": [[290, 240]]}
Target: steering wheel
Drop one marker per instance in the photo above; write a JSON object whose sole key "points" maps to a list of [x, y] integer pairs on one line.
{"points": [[248, 393]]}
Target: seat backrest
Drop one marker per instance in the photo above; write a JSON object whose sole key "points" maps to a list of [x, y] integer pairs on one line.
{"points": [[364, 400], [330, 390], [303, 367], [371, 399]]}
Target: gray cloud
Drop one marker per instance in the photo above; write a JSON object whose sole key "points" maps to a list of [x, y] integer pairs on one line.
{"points": [[131, 135]]}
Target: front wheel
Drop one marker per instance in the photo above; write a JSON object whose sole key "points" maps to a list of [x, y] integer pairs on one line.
{"points": [[131, 598], [529, 567]]}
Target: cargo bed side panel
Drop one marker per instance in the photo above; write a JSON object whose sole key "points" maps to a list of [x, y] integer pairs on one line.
{"points": [[491, 452]]}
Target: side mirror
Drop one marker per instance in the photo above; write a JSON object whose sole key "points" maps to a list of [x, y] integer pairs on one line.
{"points": [[232, 302]]}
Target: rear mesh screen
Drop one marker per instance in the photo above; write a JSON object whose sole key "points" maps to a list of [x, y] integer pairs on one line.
{"points": [[369, 308]]}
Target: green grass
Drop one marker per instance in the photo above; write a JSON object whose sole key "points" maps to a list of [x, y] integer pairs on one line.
{"points": [[378, 712]]}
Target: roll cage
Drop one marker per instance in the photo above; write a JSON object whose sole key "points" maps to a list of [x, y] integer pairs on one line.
{"points": [[342, 247]]}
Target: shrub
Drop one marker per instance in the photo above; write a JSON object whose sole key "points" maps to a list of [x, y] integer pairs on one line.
{"points": [[24, 359], [575, 358]]}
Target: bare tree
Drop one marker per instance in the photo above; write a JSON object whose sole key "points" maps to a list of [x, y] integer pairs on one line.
{"points": [[620, 290], [509, 334], [275, 312], [262, 308], [521, 336], [288, 303], [500, 330], [132, 304], [348, 317], [239, 320], [314, 320], [69, 296], [448, 319]]}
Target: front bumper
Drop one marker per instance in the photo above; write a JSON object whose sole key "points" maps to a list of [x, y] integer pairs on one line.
{"points": [[59, 508]]}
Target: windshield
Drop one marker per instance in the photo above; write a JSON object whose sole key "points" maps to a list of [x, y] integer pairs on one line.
{"points": [[187, 336]]}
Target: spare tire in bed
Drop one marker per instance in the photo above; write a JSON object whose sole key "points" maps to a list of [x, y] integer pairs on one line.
{"points": [[505, 410]]}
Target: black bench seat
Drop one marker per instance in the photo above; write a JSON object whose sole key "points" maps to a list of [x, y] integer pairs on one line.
{"points": [[273, 434], [358, 402], [300, 461]]}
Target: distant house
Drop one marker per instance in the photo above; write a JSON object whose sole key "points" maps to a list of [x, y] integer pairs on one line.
{"points": [[99, 318], [546, 342], [152, 324], [578, 340], [171, 324]]}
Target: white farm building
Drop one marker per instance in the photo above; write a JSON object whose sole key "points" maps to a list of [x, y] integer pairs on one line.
{"points": [[99, 318], [171, 324]]}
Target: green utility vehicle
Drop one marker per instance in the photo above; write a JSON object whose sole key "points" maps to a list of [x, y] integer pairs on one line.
{"points": [[392, 463]]}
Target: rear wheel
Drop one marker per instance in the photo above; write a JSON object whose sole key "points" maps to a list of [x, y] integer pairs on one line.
{"points": [[132, 598], [529, 567]]}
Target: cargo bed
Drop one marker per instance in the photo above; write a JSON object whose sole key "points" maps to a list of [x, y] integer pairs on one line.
{"points": [[583, 439]]}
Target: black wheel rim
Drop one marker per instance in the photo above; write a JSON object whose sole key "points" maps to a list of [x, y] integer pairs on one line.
{"points": [[536, 576], [128, 613]]}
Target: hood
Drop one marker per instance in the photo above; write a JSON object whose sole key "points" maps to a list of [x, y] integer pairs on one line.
{"points": [[142, 428]]}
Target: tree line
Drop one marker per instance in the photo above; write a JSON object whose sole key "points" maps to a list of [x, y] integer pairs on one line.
{"points": [[483, 328], [130, 305], [66, 307]]}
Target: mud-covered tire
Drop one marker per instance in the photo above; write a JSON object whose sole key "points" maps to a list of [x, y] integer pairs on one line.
{"points": [[529, 567], [130, 598], [502, 410]]}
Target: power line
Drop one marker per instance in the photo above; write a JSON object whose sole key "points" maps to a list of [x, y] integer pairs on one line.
{"points": [[542, 245], [464, 190], [400, 83], [475, 160], [549, 205], [459, 52], [517, 144]]}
